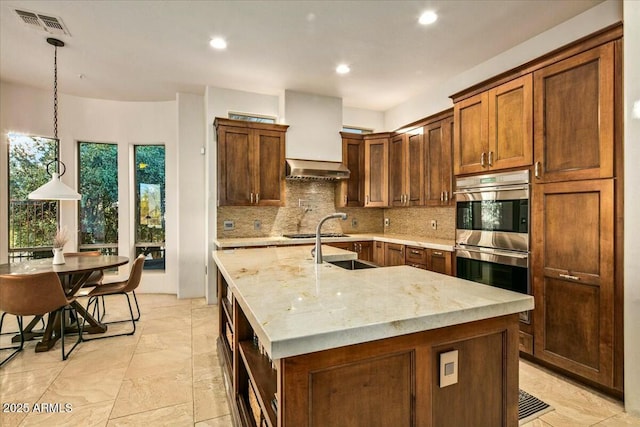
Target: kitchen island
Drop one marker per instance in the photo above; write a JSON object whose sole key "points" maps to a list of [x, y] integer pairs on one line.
{"points": [[304, 344]]}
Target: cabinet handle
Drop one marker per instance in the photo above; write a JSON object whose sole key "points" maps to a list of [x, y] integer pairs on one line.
{"points": [[568, 276], [406, 198], [490, 158], [482, 159], [415, 252], [257, 198], [446, 196], [442, 196], [366, 200], [437, 253], [536, 170], [251, 198], [345, 199]]}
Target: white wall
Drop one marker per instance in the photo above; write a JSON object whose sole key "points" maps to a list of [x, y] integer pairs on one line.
{"points": [[435, 99], [30, 111], [631, 206], [191, 202], [366, 119]]}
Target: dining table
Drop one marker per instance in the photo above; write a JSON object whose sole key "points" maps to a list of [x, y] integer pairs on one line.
{"points": [[73, 275]]}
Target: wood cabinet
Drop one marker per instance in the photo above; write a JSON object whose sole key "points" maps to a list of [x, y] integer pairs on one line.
{"points": [[250, 163], [350, 192], [406, 169], [429, 259], [573, 277], [574, 117], [415, 257], [376, 170], [393, 254], [438, 179], [378, 252], [494, 129], [364, 249]]}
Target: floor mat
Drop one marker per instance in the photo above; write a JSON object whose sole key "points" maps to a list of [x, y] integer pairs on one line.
{"points": [[530, 407]]}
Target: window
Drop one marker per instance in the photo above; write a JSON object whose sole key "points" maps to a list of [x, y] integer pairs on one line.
{"points": [[353, 129], [32, 223], [150, 204], [252, 118], [98, 208]]}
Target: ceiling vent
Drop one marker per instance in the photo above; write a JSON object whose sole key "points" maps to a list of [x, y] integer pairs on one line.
{"points": [[46, 23]]}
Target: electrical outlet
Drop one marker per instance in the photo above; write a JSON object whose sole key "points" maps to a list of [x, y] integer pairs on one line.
{"points": [[387, 222], [257, 225], [448, 368], [228, 225], [354, 222], [434, 224]]}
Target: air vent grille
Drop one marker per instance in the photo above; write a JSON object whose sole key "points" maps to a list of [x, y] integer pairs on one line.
{"points": [[46, 23]]}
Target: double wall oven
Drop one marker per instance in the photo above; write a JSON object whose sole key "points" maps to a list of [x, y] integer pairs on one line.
{"points": [[492, 230]]}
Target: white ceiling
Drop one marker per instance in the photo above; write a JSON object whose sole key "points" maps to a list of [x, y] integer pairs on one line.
{"points": [[149, 50]]}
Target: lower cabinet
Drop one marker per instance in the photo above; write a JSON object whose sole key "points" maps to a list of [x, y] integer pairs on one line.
{"points": [[364, 249], [388, 382], [393, 254], [429, 259], [378, 253]]}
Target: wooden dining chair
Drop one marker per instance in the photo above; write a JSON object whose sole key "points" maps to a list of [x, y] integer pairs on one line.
{"points": [[95, 279], [120, 288], [36, 295]]}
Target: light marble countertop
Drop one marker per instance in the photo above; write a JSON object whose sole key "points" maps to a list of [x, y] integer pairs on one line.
{"points": [[297, 307], [440, 244]]}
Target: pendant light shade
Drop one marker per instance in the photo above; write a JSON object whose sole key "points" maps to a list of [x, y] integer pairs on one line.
{"points": [[55, 189]]}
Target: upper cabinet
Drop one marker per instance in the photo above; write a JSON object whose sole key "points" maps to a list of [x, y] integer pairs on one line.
{"points": [[574, 117], [350, 192], [250, 163], [406, 169], [376, 170], [438, 140], [494, 129]]}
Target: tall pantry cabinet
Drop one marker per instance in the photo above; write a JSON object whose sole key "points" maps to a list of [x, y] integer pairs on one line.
{"points": [[575, 262]]}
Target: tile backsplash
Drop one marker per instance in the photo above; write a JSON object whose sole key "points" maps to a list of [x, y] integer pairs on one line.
{"points": [[308, 201]]}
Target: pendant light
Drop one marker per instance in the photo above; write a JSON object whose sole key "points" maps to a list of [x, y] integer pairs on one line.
{"points": [[55, 189]]}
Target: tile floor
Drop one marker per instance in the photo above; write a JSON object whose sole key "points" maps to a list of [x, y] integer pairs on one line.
{"points": [[168, 374]]}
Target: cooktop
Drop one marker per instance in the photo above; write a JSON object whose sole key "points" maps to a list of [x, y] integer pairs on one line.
{"points": [[312, 235]]}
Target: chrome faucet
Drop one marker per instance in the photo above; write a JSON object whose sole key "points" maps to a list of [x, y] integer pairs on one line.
{"points": [[317, 250]]}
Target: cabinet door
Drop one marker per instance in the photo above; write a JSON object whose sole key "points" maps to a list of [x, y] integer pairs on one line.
{"points": [[376, 169], [393, 254], [511, 124], [439, 261], [574, 117], [397, 170], [364, 250], [269, 167], [235, 166], [438, 138], [350, 192], [573, 276], [378, 253], [414, 177], [470, 134]]}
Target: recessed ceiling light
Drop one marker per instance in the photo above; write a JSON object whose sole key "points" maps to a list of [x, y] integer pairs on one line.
{"points": [[342, 69], [428, 17], [218, 43]]}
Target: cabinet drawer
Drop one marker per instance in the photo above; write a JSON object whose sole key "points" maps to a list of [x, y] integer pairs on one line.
{"points": [[525, 342], [415, 255]]}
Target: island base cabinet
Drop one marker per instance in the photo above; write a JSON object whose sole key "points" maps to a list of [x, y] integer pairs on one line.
{"points": [[396, 381]]}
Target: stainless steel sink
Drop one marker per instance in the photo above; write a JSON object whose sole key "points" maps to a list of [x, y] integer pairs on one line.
{"points": [[353, 264]]}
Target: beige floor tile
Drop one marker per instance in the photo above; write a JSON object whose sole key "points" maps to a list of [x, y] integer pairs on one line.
{"points": [[224, 421], [29, 360], [143, 394], [206, 366], [210, 399], [620, 420], [103, 355], [180, 321], [177, 415], [95, 414], [165, 361], [536, 423], [27, 386], [81, 390], [164, 341]]}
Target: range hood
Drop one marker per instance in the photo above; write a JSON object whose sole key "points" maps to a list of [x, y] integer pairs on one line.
{"points": [[315, 170]]}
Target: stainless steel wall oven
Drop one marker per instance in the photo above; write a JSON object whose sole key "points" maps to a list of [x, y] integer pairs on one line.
{"points": [[492, 230]]}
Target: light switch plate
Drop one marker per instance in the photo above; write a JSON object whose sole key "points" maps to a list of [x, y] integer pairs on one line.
{"points": [[448, 368]]}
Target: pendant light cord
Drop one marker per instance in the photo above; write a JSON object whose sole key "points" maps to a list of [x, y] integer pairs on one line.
{"points": [[55, 92]]}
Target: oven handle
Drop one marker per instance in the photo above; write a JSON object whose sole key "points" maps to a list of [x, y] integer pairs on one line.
{"points": [[489, 189], [493, 255]]}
